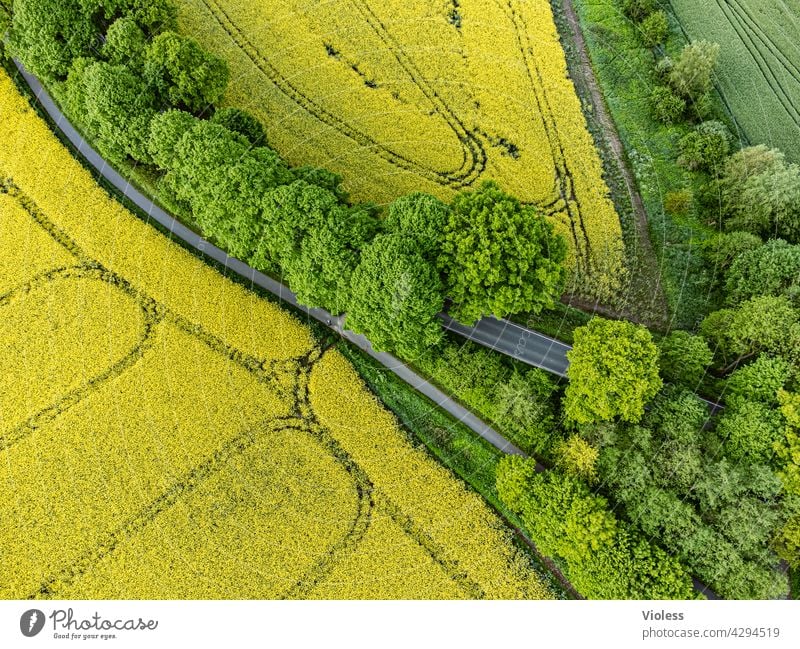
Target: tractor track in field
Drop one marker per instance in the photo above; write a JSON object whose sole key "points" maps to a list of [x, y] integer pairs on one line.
{"points": [[749, 32], [303, 419], [474, 153]]}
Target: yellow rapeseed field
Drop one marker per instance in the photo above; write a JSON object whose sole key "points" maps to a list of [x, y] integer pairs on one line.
{"points": [[164, 433], [406, 95]]}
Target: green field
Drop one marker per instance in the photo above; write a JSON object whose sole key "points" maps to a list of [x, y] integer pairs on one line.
{"points": [[759, 66]]}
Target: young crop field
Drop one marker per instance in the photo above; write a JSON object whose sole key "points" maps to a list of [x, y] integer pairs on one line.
{"points": [[759, 63], [400, 96], [165, 433]]}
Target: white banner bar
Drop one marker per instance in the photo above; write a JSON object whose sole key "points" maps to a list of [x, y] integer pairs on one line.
{"points": [[487, 625]]}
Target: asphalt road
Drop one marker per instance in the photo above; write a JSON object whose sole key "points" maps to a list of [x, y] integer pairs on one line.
{"points": [[506, 337]]}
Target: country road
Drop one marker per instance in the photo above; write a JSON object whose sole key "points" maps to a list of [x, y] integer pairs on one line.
{"points": [[522, 344]]}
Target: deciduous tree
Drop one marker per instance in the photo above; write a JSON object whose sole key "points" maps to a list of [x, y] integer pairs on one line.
{"points": [[396, 296], [613, 372], [499, 257]]}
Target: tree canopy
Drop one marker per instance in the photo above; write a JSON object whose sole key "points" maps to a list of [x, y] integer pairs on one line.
{"points": [[396, 297], [613, 372], [499, 257], [183, 73]]}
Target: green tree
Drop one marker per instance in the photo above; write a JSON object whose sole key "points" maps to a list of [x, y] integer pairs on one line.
{"points": [[638, 10], [166, 130], [241, 122], [760, 380], [764, 323], [396, 297], [315, 240], [183, 73], [749, 430], [760, 193], [46, 35], [684, 358], [125, 43], [324, 179], [153, 16], [722, 249], [692, 71], [706, 147], [499, 257], [654, 29], [422, 217], [116, 107], [788, 448], [524, 405], [578, 458], [613, 372], [666, 106]]}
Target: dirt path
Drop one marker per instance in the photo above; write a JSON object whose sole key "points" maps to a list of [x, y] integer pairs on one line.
{"points": [[646, 261]]}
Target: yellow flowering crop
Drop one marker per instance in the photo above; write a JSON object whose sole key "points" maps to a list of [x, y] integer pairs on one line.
{"points": [[399, 96], [158, 436]]}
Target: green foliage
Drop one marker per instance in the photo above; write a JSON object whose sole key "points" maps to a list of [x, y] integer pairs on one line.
{"points": [[763, 323], [125, 43], [166, 130], [115, 105], [788, 449], [691, 72], [46, 35], [520, 401], [482, 278], [218, 175], [396, 297], [684, 358], [324, 179], [153, 16], [749, 430], [706, 147], [760, 380], [603, 559], [654, 29], [677, 415], [577, 458], [613, 372], [241, 122], [184, 74], [761, 193], [314, 240], [667, 107], [638, 10], [722, 249], [422, 217]]}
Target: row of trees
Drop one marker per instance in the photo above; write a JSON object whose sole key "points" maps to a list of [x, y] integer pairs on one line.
{"points": [[147, 95]]}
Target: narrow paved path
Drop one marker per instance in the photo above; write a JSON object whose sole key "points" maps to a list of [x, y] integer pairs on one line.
{"points": [[507, 337]]}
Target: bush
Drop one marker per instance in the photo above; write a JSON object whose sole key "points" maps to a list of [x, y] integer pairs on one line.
{"points": [[654, 29], [667, 107], [706, 147], [679, 203], [723, 249], [638, 10], [125, 43], [691, 72]]}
